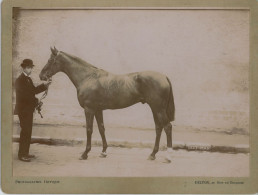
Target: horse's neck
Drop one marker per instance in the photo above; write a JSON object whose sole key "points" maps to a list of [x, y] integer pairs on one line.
{"points": [[77, 73]]}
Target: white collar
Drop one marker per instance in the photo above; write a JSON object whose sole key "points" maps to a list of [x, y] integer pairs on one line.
{"points": [[25, 74]]}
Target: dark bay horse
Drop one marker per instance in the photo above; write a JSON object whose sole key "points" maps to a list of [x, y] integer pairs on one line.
{"points": [[98, 90]]}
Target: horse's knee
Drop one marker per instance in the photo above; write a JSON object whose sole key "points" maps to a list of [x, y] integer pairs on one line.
{"points": [[158, 131], [89, 131], [102, 128], [158, 127]]}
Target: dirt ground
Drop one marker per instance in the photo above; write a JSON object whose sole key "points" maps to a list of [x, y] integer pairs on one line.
{"points": [[120, 162]]}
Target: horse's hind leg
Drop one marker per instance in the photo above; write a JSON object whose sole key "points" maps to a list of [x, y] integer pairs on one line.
{"points": [[162, 121], [89, 129], [158, 127], [168, 130], [99, 118]]}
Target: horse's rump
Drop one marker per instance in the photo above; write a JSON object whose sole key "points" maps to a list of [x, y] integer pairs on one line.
{"points": [[156, 90]]}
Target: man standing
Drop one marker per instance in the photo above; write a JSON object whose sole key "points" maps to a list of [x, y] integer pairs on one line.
{"points": [[25, 106]]}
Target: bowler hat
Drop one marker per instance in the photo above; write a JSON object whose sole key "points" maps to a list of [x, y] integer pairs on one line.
{"points": [[27, 62]]}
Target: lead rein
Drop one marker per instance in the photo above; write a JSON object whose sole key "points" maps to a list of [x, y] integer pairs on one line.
{"points": [[40, 103]]}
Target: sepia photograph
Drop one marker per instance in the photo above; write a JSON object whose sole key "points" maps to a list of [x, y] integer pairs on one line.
{"points": [[121, 77], [130, 93]]}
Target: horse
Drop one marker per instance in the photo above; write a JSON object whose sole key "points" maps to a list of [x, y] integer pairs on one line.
{"points": [[98, 90]]}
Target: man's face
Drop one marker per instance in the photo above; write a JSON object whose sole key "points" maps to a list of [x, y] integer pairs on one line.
{"points": [[27, 70]]}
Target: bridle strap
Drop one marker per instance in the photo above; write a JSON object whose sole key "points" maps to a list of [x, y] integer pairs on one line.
{"points": [[40, 103], [45, 93]]}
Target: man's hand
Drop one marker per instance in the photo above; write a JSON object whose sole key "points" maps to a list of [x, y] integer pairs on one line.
{"points": [[47, 83]]}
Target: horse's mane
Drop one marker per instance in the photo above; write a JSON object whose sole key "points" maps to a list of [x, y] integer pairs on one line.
{"points": [[80, 61]]}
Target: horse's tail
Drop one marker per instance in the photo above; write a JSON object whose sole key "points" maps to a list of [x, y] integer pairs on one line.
{"points": [[170, 105]]}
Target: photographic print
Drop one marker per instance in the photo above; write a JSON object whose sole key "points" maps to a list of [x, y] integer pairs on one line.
{"points": [[130, 93]]}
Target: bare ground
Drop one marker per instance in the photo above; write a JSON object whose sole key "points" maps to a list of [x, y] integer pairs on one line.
{"points": [[125, 162]]}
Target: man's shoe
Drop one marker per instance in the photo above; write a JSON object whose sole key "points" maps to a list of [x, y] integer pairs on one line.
{"points": [[25, 159], [31, 156]]}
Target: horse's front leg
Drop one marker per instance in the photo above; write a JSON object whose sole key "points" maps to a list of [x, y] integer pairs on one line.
{"points": [[89, 128], [99, 118]]}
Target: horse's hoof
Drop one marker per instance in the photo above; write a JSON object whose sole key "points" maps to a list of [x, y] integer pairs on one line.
{"points": [[151, 157], [103, 155], [167, 160], [83, 157]]}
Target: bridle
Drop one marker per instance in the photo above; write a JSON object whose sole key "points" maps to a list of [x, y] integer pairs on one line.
{"points": [[44, 95], [46, 91]]}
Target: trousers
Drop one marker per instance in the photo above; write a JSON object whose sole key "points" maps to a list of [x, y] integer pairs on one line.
{"points": [[26, 120]]}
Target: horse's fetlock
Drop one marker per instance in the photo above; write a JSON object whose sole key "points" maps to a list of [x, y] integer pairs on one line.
{"points": [[152, 157], [88, 149], [84, 157], [155, 150], [102, 129]]}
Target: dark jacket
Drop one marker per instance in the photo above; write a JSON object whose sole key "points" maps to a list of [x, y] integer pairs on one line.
{"points": [[25, 94]]}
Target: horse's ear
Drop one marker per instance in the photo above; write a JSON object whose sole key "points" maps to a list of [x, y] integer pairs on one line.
{"points": [[54, 51]]}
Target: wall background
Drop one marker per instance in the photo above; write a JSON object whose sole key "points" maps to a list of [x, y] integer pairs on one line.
{"points": [[205, 53]]}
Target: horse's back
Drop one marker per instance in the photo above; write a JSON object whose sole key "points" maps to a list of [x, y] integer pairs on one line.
{"points": [[154, 77]]}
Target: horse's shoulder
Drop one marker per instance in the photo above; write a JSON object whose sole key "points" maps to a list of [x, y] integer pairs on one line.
{"points": [[86, 86]]}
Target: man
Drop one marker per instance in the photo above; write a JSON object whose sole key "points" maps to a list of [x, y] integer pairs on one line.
{"points": [[25, 106]]}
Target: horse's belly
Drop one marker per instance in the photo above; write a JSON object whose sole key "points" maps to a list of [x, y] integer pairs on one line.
{"points": [[121, 101], [114, 101]]}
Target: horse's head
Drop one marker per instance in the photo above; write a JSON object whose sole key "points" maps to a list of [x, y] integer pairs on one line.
{"points": [[52, 66]]}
